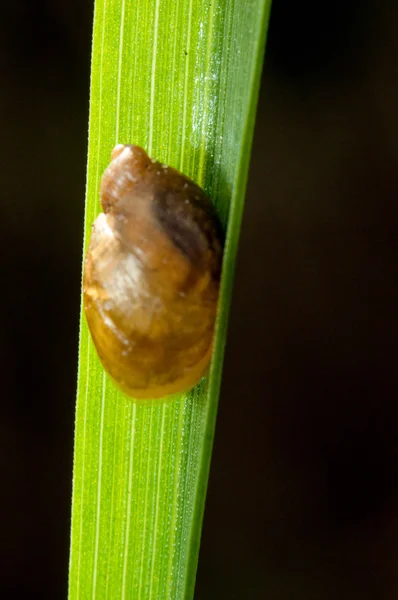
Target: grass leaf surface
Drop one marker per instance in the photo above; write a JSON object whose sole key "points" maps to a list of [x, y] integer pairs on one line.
{"points": [[179, 78]]}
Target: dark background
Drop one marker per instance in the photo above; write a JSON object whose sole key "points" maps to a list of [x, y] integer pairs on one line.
{"points": [[303, 495]]}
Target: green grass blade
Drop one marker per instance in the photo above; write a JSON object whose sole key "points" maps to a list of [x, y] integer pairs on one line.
{"points": [[180, 78]]}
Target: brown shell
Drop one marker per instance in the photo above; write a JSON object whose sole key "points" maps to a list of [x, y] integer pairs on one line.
{"points": [[151, 277]]}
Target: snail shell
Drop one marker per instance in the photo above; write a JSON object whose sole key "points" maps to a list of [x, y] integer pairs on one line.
{"points": [[151, 276]]}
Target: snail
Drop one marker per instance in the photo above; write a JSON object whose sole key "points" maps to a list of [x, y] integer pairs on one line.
{"points": [[151, 276]]}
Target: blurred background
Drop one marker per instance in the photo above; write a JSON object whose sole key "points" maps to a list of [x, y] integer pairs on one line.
{"points": [[303, 494]]}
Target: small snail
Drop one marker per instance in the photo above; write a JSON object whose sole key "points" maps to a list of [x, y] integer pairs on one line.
{"points": [[151, 276]]}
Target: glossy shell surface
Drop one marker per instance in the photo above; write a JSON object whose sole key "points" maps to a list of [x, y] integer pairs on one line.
{"points": [[151, 276]]}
